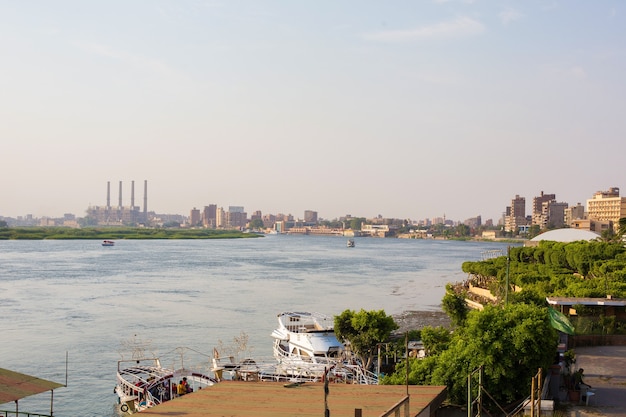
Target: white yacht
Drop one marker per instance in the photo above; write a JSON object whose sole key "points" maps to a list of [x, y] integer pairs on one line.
{"points": [[306, 337], [305, 345]]}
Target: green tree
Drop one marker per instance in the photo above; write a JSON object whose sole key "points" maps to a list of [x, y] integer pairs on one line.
{"points": [[454, 305], [510, 343], [256, 224], [364, 330], [355, 223], [435, 339]]}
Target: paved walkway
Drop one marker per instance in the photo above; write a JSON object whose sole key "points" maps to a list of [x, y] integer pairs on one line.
{"points": [[605, 371]]}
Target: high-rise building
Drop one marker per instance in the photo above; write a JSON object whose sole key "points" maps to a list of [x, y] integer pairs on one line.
{"points": [[194, 217], [607, 206], [517, 215], [538, 217], [209, 216], [310, 216], [552, 215]]}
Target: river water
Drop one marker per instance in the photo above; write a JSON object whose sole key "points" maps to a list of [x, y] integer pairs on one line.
{"points": [[84, 302]]}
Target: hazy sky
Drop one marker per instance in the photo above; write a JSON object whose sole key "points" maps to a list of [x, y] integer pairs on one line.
{"points": [[407, 109]]}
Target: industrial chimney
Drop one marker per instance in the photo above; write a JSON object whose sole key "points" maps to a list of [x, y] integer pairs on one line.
{"points": [[108, 194], [145, 199], [120, 205], [132, 193]]}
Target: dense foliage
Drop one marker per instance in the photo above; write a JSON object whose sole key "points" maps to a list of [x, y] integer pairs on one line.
{"points": [[511, 344], [576, 269], [512, 338], [364, 330], [112, 233]]}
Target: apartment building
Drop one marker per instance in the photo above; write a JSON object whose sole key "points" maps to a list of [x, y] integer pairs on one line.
{"points": [[607, 207], [516, 215]]}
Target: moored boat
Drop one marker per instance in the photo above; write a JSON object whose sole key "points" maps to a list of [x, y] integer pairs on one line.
{"points": [[305, 344], [144, 383]]}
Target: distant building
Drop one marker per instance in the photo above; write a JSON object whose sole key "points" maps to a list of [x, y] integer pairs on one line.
{"points": [[607, 206], [235, 218], [552, 215], [473, 222], [575, 214], [209, 215], [194, 217], [538, 213], [120, 214], [269, 220], [516, 220], [310, 216]]}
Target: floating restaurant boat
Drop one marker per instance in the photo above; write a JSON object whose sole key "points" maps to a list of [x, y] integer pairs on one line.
{"points": [[108, 243], [144, 383]]}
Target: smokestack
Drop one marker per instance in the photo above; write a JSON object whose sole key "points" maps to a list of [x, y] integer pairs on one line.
{"points": [[145, 197], [108, 193], [120, 205], [132, 193]]}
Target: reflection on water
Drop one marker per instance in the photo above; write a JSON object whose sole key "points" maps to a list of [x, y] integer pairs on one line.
{"points": [[84, 299]]}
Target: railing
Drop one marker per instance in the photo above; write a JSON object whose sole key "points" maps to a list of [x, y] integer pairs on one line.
{"points": [[4, 413], [397, 409]]}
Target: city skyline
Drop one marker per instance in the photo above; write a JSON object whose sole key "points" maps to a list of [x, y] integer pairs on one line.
{"points": [[128, 197], [405, 110]]}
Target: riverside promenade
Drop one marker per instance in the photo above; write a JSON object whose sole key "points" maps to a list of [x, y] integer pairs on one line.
{"points": [[605, 371]]}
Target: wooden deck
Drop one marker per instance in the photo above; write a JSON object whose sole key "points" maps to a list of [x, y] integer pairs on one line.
{"points": [[238, 399]]}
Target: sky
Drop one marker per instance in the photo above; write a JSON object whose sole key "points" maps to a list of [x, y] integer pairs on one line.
{"points": [[404, 109]]}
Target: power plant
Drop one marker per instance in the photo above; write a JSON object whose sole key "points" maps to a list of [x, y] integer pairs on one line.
{"points": [[121, 215]]}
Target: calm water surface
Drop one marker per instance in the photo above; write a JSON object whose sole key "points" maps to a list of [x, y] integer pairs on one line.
{"points": [[80, 298]]}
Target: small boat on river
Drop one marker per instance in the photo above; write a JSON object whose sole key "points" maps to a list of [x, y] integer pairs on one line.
{"points": [[108, 243], [144, 383], [350, 243]]}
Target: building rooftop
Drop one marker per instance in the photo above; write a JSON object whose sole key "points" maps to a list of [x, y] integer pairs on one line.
{"points": [[260, 399], [566, 235]]}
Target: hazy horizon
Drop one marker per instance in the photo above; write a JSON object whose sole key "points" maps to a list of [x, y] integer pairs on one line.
{"points": [[409, 109]]}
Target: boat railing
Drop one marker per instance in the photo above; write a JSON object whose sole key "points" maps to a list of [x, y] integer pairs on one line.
{"points": [[4, 413]]}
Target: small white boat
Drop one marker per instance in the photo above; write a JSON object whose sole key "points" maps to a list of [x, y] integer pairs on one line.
{"points": [[350, 243], [144, 383], [108, 243]]}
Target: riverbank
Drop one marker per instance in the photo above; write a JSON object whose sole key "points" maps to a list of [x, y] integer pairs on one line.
{"points": [[116, 233], [417, 320]]}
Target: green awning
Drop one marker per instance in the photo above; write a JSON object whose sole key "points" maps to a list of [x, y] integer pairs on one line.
{"points": [[560, 322], [14, 386]]}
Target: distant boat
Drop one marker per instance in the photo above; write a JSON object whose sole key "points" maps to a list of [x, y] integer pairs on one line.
{"points": [[350, 243], [108, 243]]}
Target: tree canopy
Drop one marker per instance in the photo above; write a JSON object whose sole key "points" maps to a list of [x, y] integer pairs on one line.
{"points": [[364, 330], [575, 269], [510, 343]]}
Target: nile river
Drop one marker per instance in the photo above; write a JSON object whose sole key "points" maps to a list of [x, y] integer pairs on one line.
{"points": [[80, 299]]}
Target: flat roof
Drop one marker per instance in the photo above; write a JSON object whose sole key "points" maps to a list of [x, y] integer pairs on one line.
{"points": [[570, 301], [265, 399], [14, 386]]}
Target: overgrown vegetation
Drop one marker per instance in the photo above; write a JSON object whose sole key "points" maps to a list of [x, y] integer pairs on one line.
{"points": [[576, 269], [510, 343], [512, 337], [114, 233]]}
